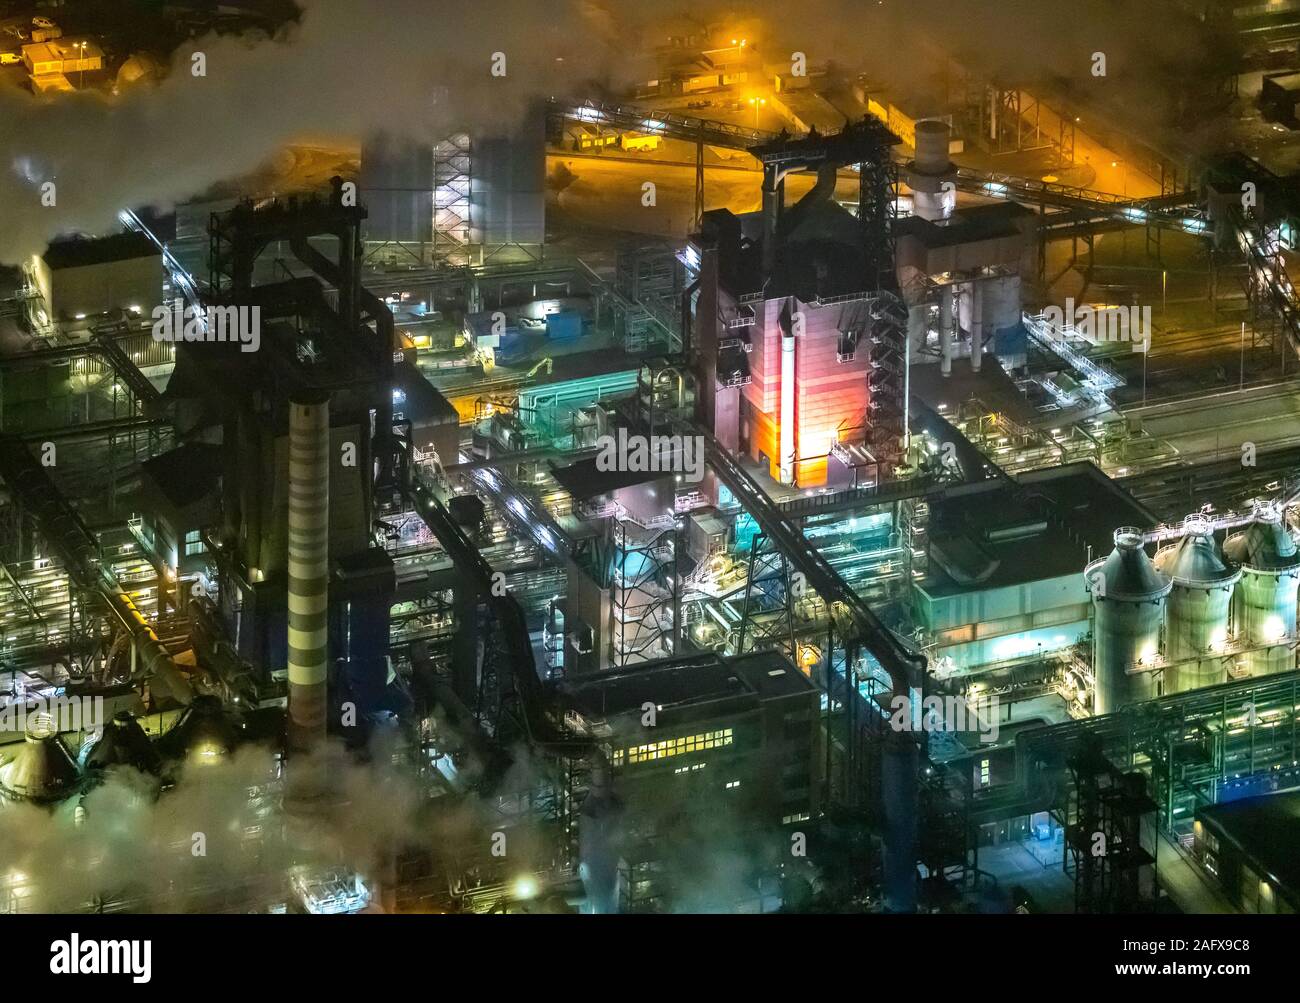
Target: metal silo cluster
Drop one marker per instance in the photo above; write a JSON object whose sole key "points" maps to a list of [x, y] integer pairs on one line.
{"points": [[1195, 611]]}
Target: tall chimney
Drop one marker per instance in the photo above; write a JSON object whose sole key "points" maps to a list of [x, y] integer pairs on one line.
{"points": [[309, 446]]}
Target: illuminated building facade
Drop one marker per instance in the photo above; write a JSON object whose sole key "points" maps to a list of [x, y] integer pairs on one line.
{"points": [[702, 751]]}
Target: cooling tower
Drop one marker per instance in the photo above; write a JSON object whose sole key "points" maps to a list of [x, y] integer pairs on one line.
{"points": [[1264, 603], [1197, 622], [1128, 600]]}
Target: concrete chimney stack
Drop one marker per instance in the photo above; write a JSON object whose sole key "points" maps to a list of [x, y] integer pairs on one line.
{"points": [[309, 447], [931, 171]]}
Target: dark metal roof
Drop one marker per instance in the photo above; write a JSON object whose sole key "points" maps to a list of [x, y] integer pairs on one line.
{"points": [[79, 252], [584, 480], [1262, 829], [1195, 561], [1264, 545], [703, 679], [1128, 573], [186, 474], [123, 743]]}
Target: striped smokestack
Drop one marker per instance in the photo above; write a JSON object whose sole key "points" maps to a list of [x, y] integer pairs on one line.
{"points": [[309, 443]]}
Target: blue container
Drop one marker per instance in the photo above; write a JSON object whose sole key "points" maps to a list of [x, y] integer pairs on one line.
{"points": [[564, 326]]}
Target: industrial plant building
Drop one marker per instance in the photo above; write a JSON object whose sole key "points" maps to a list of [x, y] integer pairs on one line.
{"points": [[479, 548]]}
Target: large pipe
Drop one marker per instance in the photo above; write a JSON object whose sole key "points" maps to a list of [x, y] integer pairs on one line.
{"points": [[900, 765], [773, 203], [976, 325], [787, 409], [309, 447], [946, 321]]}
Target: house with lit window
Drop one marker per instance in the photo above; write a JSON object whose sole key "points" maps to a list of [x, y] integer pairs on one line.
{"points": [[711, 759]]}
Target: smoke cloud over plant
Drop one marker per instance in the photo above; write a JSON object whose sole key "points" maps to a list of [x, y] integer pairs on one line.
{"points": [[427, 67]]}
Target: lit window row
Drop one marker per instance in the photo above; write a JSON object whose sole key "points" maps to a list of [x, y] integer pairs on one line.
{"points": [[673, 747]]}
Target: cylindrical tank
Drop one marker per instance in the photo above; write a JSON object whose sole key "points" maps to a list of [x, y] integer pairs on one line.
{"points": [[1128, 602], [42, 770], [932, 146], [927, 173], [1264, 603], [123, 743], [1197, 623], [204, 735]]}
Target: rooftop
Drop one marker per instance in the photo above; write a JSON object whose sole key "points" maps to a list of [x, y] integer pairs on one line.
{"points": [[62, 48], [1042, 524], [186, 474], [691, 682], [584, 480], [1259, 828], [80, 252], [967, 225]]}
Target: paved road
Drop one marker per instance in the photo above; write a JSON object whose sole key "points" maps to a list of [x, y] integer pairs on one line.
{"points": [[1215, 427]]}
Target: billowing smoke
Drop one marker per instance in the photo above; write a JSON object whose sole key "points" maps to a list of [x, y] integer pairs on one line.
{"points": [[347, 68], [230, 834]]}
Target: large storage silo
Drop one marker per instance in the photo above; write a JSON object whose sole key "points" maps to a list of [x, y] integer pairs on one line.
{"points": [[1264, 603], [42, 771], [1128, 601], [1197, 623]]}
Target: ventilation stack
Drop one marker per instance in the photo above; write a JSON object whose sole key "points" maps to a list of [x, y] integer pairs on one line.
{"points": [[1198, 609], [928, 173], [309, 445], [1264, 604], [1128, 601]]}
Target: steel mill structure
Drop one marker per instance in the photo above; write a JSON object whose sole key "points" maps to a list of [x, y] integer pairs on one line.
{"points": [[489, 547]]}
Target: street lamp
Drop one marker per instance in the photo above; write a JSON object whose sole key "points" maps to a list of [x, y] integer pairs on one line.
{"points": [[81, 64]]}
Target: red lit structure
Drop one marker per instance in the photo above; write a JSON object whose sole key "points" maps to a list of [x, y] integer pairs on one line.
{"points": [[798, 332]]}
